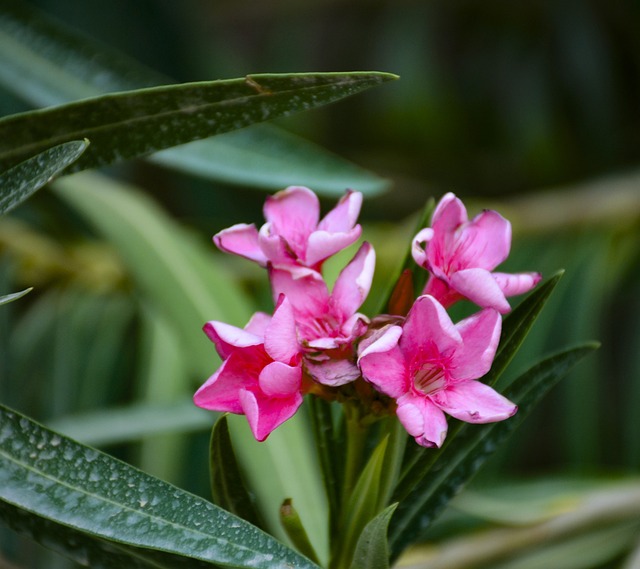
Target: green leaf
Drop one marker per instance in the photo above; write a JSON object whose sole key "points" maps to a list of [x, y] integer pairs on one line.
{"points": [[137, 123], [463, 454], [324, 434], [179, 275], [49, 482], [117, 425], [361, 507], [227, 485], [372, 550], [517, 324], [46, 63], [295, 530], [14, 296], [19, 182]]}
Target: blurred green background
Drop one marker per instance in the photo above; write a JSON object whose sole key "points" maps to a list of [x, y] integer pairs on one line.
{"points": [[527, 107]]}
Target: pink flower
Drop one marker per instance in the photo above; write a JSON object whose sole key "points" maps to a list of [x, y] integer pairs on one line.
{"points": [[328, 324], [293, 235], [261, 375], [430, 366], [460, 255]]}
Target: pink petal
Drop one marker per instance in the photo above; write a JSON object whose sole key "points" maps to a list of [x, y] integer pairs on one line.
{"points": [[441, 291], [281, 340], [423, 420], [479, 286], [280, 380], [354, 282], [451, 209], [239, 371], [428, 327], [307, 294], [383, 364], [220, 392], [241, 239], [323, 244], [332, 372], [343, 217], [483, 243], [449, 214], [474, 402], [480, 336], [227, 338], [518, 283], [293, 213], [275, 247], [419, 244], [264, 415], [258, 323]]}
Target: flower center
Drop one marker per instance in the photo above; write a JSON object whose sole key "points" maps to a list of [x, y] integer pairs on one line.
{"points": [[429, 378]]}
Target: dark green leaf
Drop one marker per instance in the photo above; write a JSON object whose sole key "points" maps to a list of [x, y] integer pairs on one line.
{"points": [[53, 487], [294, 528], [126, 125], [328, 453], [462, 455], [14, 296], [227, 485], [372, 551], [46, 63], [517, 325], [19, 182]]}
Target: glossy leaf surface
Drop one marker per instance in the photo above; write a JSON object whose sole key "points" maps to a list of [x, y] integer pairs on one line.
{"points": [[50, 480]]}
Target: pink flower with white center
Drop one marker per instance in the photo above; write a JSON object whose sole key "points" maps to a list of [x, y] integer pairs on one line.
{"points": [[430, 365], [461, 255], [261, 375], [294, 235], [328, 324]]}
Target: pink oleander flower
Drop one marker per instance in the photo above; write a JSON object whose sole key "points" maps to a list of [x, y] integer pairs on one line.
{"points": [[327, 324], [430, 365], [293, 235], [461, 255], [261, 375]]}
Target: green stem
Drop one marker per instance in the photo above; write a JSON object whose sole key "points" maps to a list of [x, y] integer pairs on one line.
{"points": [[356, 438]]}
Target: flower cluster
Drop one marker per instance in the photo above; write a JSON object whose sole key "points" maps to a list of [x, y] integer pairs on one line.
{"points": [[421, 364]]}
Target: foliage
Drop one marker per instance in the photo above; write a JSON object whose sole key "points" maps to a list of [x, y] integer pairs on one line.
{"points": [[108, 349]]}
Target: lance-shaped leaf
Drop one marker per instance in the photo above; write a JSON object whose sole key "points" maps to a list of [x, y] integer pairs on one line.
{"points": [[46, 63], [372, 550], [227, 486], [52, 487], [461, 456], [137, 123], [14, 296], [19, 182]]}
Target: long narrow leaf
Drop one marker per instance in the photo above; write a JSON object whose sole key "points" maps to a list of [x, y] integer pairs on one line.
{"points": [[458, 460], [14, 296], [19, 182], [45, 63], [372, 550], [227, 486], [45, 476]]}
